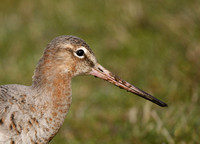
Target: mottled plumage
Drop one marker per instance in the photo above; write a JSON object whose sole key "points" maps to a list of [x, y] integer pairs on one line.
{"points": [[34, 114]]}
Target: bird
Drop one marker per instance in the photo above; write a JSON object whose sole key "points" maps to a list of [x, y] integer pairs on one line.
{"points": [[34, 114]]}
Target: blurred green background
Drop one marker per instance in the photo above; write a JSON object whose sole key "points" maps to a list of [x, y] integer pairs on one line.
{"points": [[153, 44]]}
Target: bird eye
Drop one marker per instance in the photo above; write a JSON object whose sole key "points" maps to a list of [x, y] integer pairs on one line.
{"points": [[80, 53]]}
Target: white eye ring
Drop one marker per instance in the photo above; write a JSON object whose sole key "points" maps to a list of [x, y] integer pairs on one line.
{"points": [[80, 52]]}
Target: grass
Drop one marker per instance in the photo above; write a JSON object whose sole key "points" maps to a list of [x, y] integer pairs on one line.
{"points": [[152, 44]]}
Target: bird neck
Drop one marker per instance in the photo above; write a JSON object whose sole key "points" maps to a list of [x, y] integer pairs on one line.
{"points": [[54, 94]]}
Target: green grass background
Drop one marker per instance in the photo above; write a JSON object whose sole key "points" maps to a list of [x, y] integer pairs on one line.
{"points": [[153, 44]]}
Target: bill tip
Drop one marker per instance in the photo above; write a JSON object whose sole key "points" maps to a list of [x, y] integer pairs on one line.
{"points": [[164, 105]]}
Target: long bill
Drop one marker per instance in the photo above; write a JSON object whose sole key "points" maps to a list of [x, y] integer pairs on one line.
{"points": [[101, 72]]}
